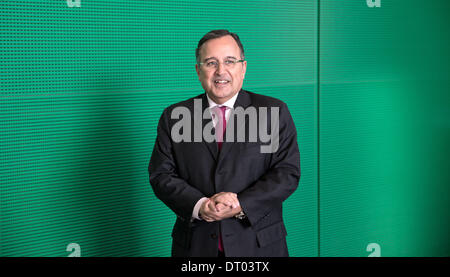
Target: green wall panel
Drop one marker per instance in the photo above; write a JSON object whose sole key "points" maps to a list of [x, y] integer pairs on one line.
{"points": [[384, 117], [82, 89]]}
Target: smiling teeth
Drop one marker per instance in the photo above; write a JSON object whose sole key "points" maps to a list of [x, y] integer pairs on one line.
{"points": [[222, 82]]}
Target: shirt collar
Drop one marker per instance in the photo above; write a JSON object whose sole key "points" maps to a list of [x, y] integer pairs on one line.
{"points": [[229, 103]]}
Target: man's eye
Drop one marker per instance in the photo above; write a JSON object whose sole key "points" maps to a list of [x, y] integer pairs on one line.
{"points": [[210, 64], [229, 62]]}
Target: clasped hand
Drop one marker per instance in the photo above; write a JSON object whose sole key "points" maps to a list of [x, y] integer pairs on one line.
{"points": [[220, 206]]}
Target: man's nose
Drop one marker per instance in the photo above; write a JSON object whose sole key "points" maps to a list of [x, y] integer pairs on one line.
{"points": [[220, 69]]}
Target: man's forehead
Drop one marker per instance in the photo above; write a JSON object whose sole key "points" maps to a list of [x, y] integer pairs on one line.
{"points": [[224, 46]]}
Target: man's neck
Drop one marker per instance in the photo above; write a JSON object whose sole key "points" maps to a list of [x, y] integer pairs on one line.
{"points": [[229, 102], [221, 101]]}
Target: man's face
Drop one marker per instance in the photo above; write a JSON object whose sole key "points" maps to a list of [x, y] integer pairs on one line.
{"points": [[223, 81]]}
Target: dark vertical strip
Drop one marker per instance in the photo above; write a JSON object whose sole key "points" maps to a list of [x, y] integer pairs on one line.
{"points": [[318, 127]]}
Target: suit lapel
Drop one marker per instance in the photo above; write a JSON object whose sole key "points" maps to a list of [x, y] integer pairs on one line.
{"points": [[243, 100], [212, 146]]}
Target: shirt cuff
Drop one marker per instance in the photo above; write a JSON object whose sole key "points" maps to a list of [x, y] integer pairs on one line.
{"points": [[197, 208]]}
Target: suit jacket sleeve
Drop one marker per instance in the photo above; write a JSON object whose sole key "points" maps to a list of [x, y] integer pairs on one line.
{"points": [[175, 192], [282, 178]]}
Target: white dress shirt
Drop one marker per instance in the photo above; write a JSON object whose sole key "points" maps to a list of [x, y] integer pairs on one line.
{"points": [[230, 106]]}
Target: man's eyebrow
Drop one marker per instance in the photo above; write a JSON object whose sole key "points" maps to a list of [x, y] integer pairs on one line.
{"points": [[214, 58], [210, 58]]}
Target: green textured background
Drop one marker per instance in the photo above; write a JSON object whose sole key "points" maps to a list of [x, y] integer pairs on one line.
{"points": [[384, 128], [82, 90]]}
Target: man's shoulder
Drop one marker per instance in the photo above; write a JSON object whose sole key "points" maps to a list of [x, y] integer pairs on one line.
{"points": [[187, 103], [261, 100]]}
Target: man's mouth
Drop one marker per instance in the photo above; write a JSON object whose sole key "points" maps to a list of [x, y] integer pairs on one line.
{"points": [[221, 82]]}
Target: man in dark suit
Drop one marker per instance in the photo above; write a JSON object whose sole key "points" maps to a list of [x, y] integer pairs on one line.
{"points": [[227, 193]]}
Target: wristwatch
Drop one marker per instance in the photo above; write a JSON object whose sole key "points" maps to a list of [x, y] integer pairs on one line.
{"points": [[240, 215]]}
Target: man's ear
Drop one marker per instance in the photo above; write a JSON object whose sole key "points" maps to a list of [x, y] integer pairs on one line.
{"points": [[244, 69], [197, 70]]}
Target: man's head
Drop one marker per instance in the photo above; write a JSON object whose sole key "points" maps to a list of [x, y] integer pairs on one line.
{"points": [[220, 64]]}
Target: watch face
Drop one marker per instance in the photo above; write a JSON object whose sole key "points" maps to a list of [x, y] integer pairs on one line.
{"points": [[240, 215]]}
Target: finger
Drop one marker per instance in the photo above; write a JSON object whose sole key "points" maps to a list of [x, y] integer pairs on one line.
{"points": [[208, 215], [236, 204], [224, 203], [232, 196], [226, 199], [231, 201], [222, 194], [221, 207], [205, 204], [208, 219], [212, 206], [226, 213], [235, 200], [218, 195]]}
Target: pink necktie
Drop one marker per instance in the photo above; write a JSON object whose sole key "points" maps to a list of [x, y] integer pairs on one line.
{"points": [[220, 133], [222, 122]]}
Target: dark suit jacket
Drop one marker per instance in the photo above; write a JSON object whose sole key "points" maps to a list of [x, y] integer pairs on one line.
{"points": [[182, 173]]}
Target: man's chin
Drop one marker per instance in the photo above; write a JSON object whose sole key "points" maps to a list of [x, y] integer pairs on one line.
{"points": [[221, 96]]}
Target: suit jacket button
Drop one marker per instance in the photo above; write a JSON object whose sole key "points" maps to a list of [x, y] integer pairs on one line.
{"points": [[214, 236]]}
